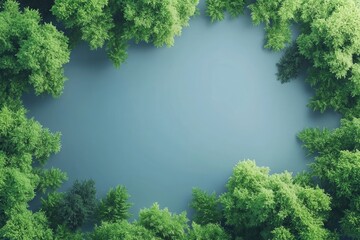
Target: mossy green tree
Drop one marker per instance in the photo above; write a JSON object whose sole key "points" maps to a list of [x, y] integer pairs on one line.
{"points": [[337, 168], [115, 23]]}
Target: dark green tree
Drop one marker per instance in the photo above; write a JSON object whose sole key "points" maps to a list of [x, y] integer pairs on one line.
{"points": [[73, 208], [290, 64], [63, 232]]}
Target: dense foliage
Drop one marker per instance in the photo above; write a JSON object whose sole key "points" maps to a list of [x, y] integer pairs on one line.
{"points": [[115, 206], [23, 144], [329, 41], [115, 23], [31, 54], [71, 209], [256, 205], [337, 168], [260, 206]]}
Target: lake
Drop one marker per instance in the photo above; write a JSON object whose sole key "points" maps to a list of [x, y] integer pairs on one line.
{"points": [[170, 119]]}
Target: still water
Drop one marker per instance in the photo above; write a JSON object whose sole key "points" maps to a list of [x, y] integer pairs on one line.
{"points": [[175, 118]]}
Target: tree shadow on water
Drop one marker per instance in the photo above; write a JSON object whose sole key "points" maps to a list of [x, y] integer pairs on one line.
{"points": [[85, 57]]}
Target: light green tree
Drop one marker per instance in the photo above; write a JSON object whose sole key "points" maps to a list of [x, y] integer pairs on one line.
{"points": [[31, 54], [330, 40], [164, 224], [23, 143], [115, 23], [262, 206], [207, 232], [216, 8], [277, 15], [25, 225], [122, 230]]}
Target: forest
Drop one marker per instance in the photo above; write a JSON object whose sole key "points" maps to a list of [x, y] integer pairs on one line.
{"points": [[323, 203]]}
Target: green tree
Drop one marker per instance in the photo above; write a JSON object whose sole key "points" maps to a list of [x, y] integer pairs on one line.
{"points": [[122, 230], [207, 232], [23, 143], [51, 207], [216, 8], [31, 54], [163, 224], [115, 206], [290, 64], [261, 206], [24, 225], [115, 23], [277, 15], [62, 233], [330, 41], [206, 206], [73, 208], [337, 168]]}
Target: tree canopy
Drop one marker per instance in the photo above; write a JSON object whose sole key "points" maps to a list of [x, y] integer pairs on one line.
{"points": [[31, 54], [337, 166], [115, 206], [329, 41], [256, 204], [115, 23], [24, 142]]}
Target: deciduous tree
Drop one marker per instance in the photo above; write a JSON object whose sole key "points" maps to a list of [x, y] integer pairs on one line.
{"points": [[262, 206], [31, 54], [163, 223], [337, 167], [115, 23]]}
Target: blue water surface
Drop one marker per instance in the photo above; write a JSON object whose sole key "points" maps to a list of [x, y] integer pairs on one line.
{"points": [[171, 119]]}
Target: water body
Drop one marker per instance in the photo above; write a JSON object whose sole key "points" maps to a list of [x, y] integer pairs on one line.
{"points": [[175, 118]]}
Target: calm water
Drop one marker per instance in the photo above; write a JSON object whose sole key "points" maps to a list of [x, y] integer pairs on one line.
{"points": [[175, 118]]}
